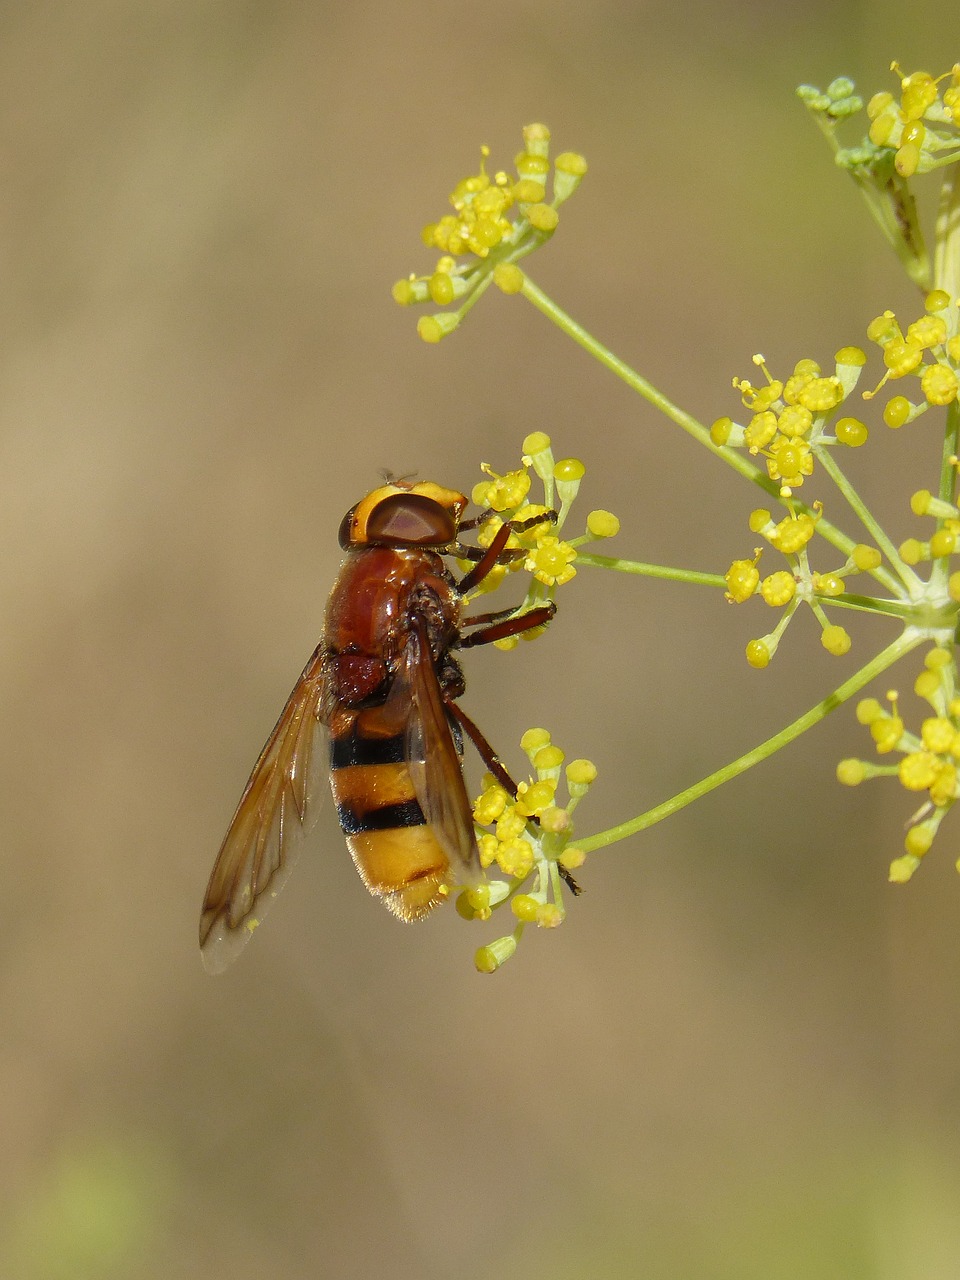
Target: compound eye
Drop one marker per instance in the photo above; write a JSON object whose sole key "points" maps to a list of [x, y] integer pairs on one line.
{"points": [[410, 518], [346, 527]]}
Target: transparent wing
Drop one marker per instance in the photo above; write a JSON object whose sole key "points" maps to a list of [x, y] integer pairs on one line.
{"points": [[278, 806], [433, 759]]}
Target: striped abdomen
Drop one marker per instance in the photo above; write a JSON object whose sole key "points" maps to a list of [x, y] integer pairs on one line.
{"points": [[393, 846]]}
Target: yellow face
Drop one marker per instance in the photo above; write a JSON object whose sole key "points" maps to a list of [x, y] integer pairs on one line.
{"points": [[357, 527]]}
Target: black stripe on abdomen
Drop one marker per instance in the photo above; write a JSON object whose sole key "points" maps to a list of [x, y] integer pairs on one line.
{"points": [[353, 748], [386, 818]]}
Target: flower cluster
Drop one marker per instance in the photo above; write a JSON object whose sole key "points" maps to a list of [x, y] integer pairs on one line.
{"points": [[793, 438], [942, 543], [495, 221], [909, 136], [929, 760], [918, 131], [550, 559], [790, 418], [921, 127], [526, 840], [524, 835], [790, 427], [928, 351]]}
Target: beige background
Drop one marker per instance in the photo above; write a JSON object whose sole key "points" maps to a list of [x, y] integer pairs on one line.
{"points": [[739, 1057]]}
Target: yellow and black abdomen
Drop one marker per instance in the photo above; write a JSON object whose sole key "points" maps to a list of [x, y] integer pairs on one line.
{"points": [[393, 846]]}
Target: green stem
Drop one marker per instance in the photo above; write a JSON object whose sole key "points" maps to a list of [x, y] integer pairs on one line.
{"points": [[870, 604], [908, 640], [862, 511], [651, 570], [948, 486], [946, 269], [732, 457], [633, 379]]}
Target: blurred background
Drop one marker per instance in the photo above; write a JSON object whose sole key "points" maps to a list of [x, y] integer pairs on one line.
{"points": [[739, 1057]]}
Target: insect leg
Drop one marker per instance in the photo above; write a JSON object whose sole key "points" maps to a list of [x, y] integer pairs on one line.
{"points": [[497, 549], [510, 625], [484, 749]]}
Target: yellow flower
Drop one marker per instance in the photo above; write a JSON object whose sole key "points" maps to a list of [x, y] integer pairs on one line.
{"points": [[552, 561], [789, 460], [742, 579]]}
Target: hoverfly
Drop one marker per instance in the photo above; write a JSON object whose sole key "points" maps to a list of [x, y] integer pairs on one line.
{"points": [[383, 682]]}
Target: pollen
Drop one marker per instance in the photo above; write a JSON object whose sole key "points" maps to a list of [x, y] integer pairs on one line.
{"points": [[533, 798], [851, 772], [544, 217], [886, 732], [759, 399], [719, 431], [510, 825], [490, 805], [820, 395], [851, 432], [911, 551], [938, 734], [508, 277], [580, 774], [868, 710], [525, 907], [778, 588], [939, 384], [793, 533], [742, 579], [855, 357], [919, 839], [515, 858], [602, 524], [943, 543], [918, 92], [536, 442], [902, 356], [943, 790], [928, 331], [506, 492], [760, 430], [552, 561], [758, 654], [927, 686], [866, 558], [901, 869], [549, 916], [920, 502], [829, 584], [553, 819], [897, 411], [571, 162], [569, 470], [488, 845], [534, 740], [883, 329], [835, 640], [796, 420], [789, 461], [547, 759], [429, 329], [489, 958]]}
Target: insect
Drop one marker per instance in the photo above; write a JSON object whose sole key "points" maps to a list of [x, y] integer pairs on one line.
{"points": [[383, 683]]}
